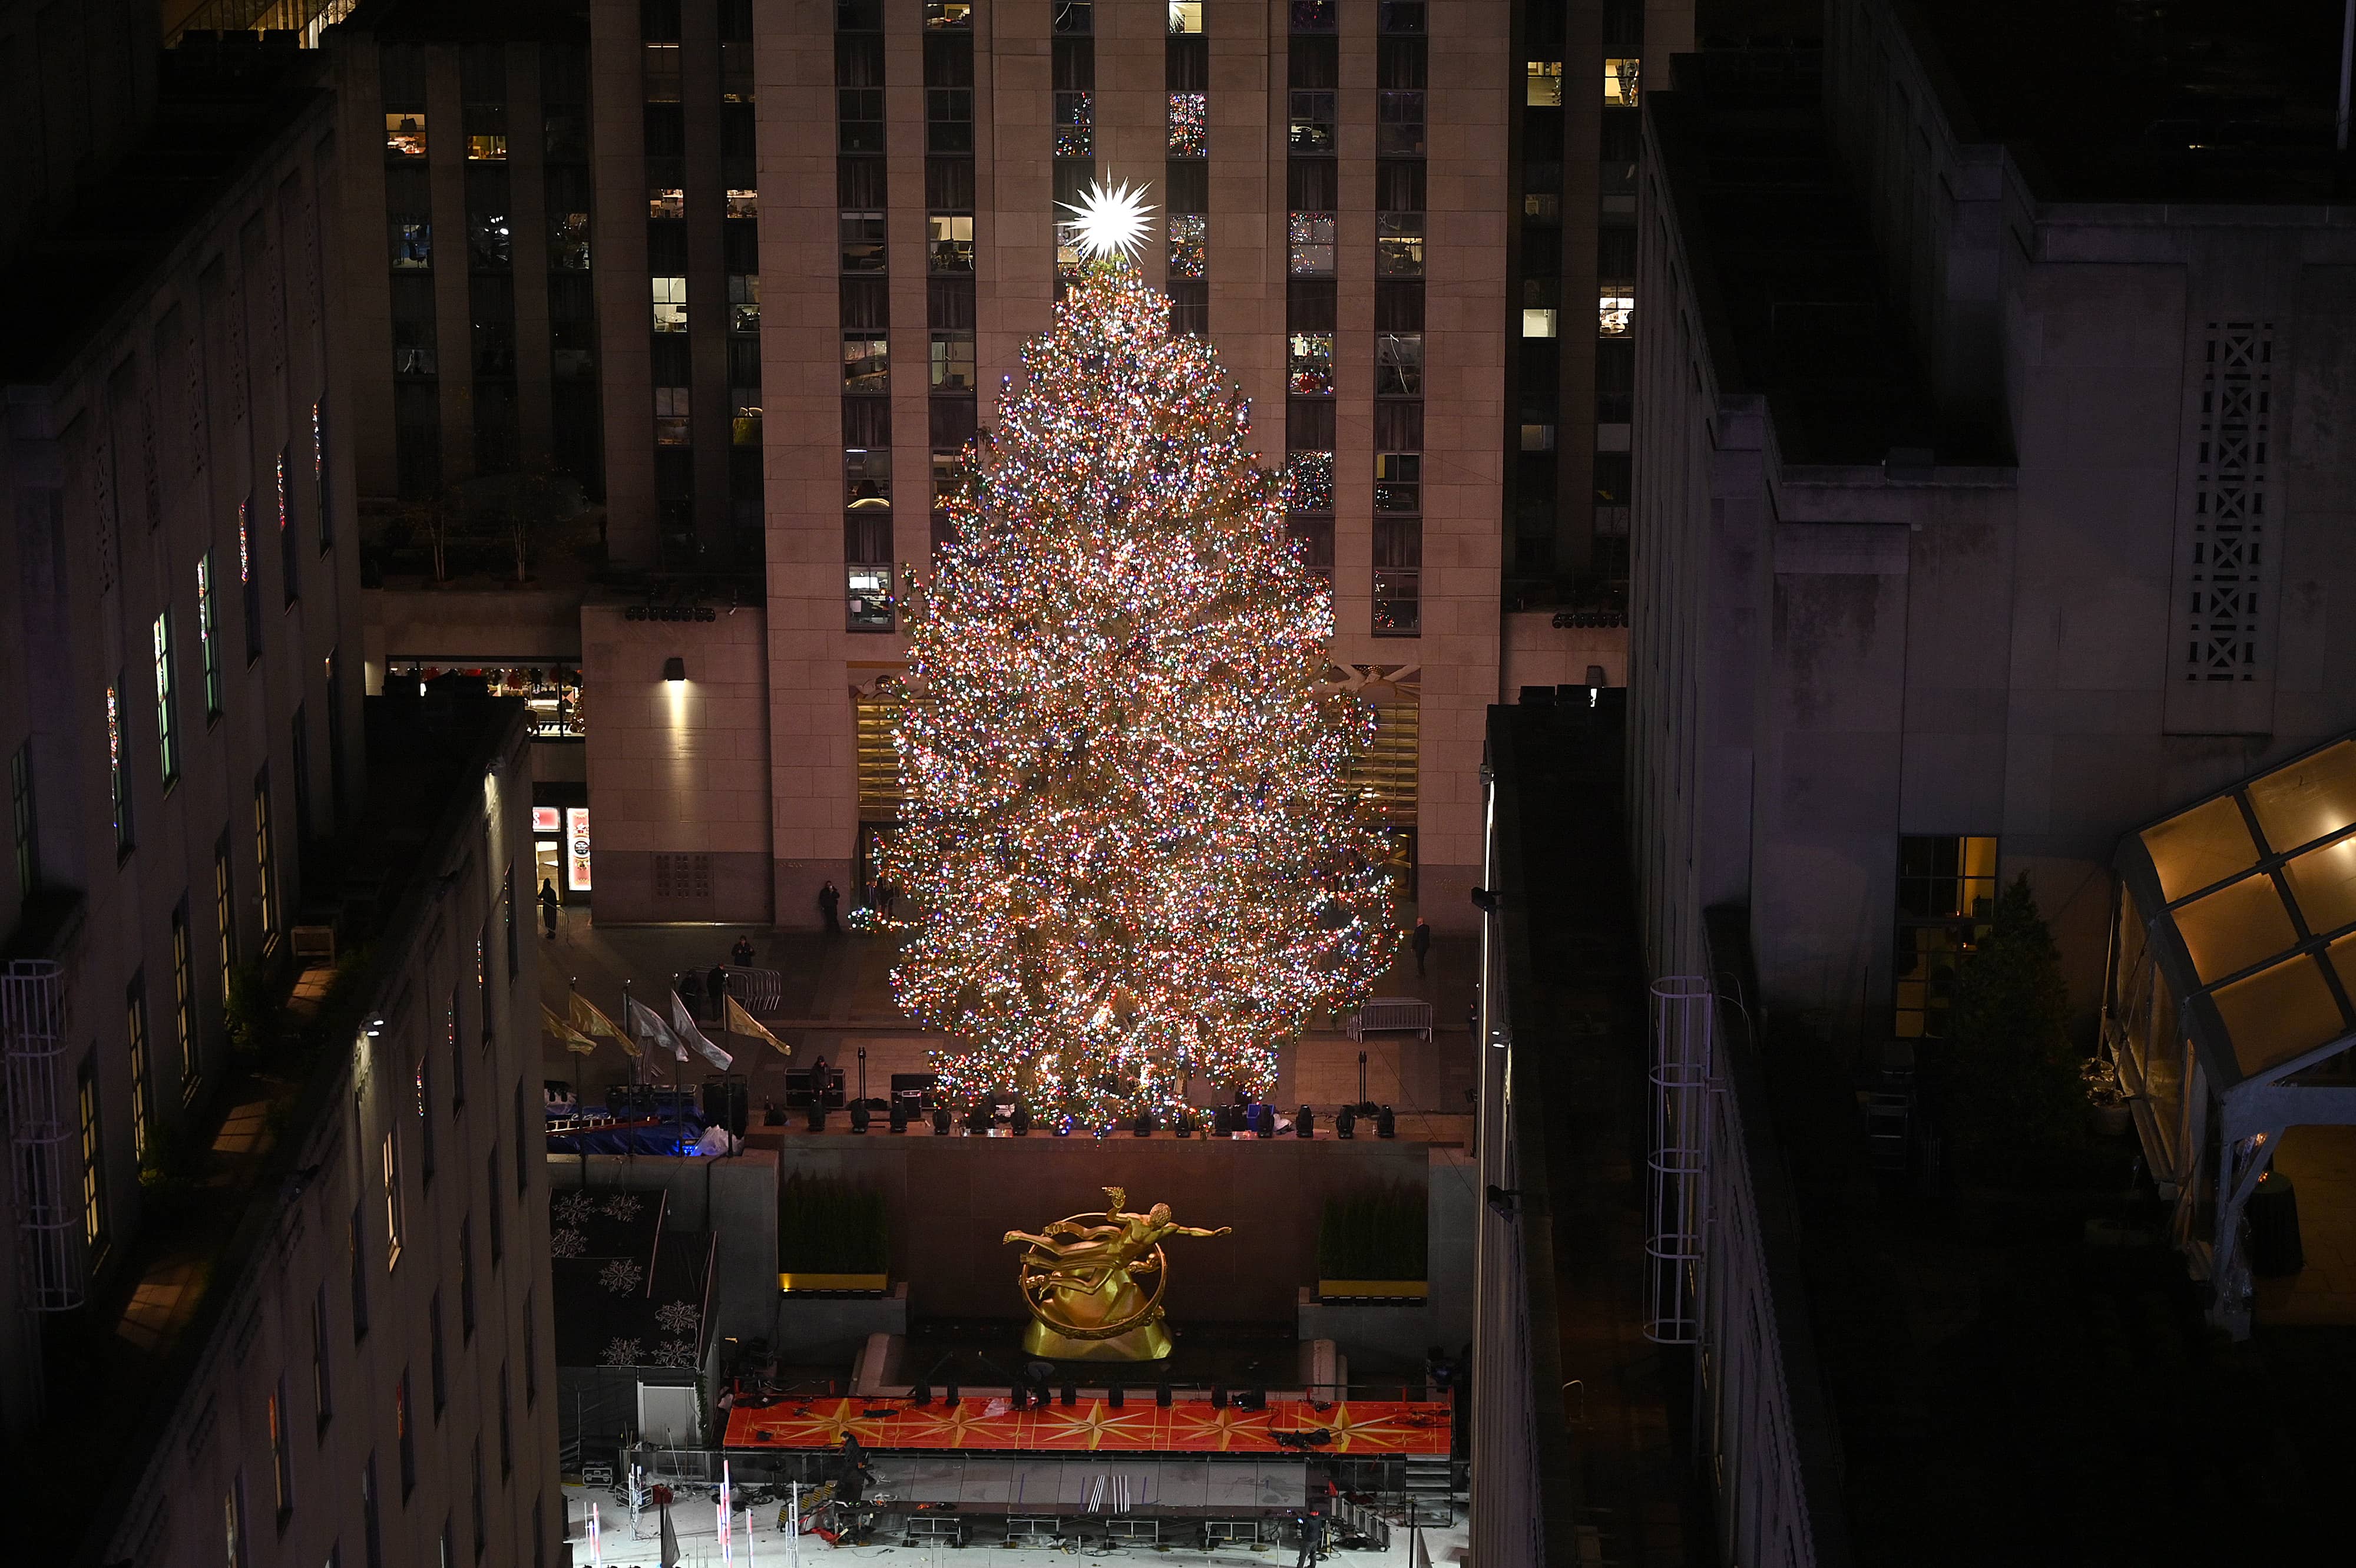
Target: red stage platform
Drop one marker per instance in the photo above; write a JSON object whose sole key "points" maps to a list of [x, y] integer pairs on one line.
{"points": [[1359, 1427]]}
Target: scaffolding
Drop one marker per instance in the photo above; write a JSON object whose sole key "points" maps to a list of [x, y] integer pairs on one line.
{"points": [[32, 1033], [1682, 1077]]}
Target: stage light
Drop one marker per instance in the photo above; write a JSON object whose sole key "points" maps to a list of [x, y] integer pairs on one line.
{"points": [[1305, 1125], [1385, 1123], [940, 1121], [922, 1394], [1161, 1396], [1116, 1396], [1218, 1396], [1071, 1393], [858, 1117], [950, 1396], [899, 1117], [674, 669], [1346, 1122], [1145, 1124]]}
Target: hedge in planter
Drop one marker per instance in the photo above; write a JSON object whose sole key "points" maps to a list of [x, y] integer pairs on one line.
{"points": [[1374, 1235], [832, 1230]]}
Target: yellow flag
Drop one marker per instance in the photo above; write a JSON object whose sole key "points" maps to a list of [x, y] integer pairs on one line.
{"points": [[740, 1022], [587, 1018], [579, 1044]]}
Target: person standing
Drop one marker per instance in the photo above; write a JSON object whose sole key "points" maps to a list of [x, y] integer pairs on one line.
{"points": [[830, 899], [548, 906], [1421, 942], [741, 955]]}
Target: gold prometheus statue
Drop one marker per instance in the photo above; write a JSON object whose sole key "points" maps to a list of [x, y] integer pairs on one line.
{"points": [[1079, 1278]]}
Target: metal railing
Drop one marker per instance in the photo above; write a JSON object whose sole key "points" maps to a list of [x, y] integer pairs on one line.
{"points": [[40, 1135]]}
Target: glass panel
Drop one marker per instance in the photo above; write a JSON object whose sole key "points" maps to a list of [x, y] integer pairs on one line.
{"points": [[1399, 244], [404, 134], [2302, 802], [1186, 16], [2323, 885], [1189, 131], [2278, 1013], [867, 478], [2235, 928], [2196, 848], [949, 242], [1620, 82], [1189, 233], [1310, 364], [1313, 119], [866, 364], [1543, 78], [1075, 125], [1398, 364], [1311, 239], [1538, 323], [863, 242], [868, 593], [670, 299], [1614, 307]]}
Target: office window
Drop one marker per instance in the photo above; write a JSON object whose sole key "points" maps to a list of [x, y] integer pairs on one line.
{"points": [[1398, 123], [1190, 129], [568, 241], [1076, 124], [863, 240], [482, 1516], [867, 591], [135, 1027], [224, 912], [183, 991], [1186, 16], [1309, 244], [1312, 123], [949, 118], [662, 72], [1313, 15], [392, 1154], [321, 494], [371, 1523], [424, 1078], [1946, 895], [1538, 323], [322, 1399], [412, 242], [359, 1280], [289, 560], [495, 1210], [466, 1279], [1542, 80], [1399, 482], [948, 242], [404, 134], [282, 1458], [744, 301], [859, 119], [486, 147], [672, 424], [952, 362], [1398, 562], [1615, 309], [1073, 16], [669, 296], [264, 867], [1398, 364], [1190, 235], [490, 241], [24, 821], [866, 362], [249, 577], [405, 1435], [1620, 82], [948, 13], [1308, 364], [233, 1521], [93, 1163], [115, 770], [436, 1363], [506, 1424]]}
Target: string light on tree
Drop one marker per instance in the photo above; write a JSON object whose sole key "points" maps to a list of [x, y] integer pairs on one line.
{"points": [[1129, 864]]}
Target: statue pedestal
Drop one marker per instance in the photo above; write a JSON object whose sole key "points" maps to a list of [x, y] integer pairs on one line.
{"points": [[1148, 1342]]}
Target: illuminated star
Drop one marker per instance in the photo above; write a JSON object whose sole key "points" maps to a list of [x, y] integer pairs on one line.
{"points": [[1108, 222]]}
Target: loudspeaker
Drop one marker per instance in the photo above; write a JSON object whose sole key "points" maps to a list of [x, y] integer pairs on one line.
{"points": [[1252, 1399], [1071, 1393], [1385, 1123], [1305, 1125], [1218, 1396], [922, 1394], [899, 1118], [1161, 1396], [951, 1396], [815, 1118], [1115, 1395], [858, 1117]]}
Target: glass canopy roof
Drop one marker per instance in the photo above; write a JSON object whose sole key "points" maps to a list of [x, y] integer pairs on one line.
{"points": [[2256, 888]]}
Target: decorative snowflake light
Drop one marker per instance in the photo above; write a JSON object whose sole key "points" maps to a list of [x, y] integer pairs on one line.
{"points": [[1108, 220]]}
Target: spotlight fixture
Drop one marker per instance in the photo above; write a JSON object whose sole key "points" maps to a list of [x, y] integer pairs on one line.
{"points": [[1506, 1203], [1488, 899], [674, 669]]}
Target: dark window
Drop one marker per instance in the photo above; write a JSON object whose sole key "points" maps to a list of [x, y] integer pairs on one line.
{"points": [[466, 1279], [405, 1435], [323, 1401], [497, 1211], [371, 1522], [441, 1381], [25, 820], [359, 1281]]}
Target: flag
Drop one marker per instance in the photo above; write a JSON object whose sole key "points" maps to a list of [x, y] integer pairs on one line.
{"points": [[726, 1554], [573, 1040], [597, 1540], [668, 1556], [587, 1018], [682, 1024], [648, 1025], [740, 1022]]}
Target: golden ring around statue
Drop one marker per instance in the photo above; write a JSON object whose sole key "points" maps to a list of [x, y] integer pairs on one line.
{"points": [[1036, 1276]]}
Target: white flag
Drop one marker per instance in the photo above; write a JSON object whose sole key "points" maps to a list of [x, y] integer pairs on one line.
{"points": [[648, 1025], [683, 1023]]}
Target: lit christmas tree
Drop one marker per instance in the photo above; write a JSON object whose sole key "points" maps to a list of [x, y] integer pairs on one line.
{"points": [[1131, 863]]}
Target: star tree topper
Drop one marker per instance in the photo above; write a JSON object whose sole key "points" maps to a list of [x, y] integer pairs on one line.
{"points": [[1108, 221]]}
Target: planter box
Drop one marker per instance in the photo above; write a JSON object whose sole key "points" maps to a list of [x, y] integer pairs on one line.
{"points": [[868, 1284], [1373, 1290]]}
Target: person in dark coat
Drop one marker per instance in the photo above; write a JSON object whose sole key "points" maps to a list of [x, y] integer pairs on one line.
{"points": [[830, 899], [715, 987], [548, 906], [691, 991], [741, 955], [1421, 942]]}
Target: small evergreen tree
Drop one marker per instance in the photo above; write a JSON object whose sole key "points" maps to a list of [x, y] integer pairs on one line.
{"points": [[2015, 1075]]}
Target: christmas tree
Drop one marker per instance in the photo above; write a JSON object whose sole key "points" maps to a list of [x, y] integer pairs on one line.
{"points": [[1131, 867]]}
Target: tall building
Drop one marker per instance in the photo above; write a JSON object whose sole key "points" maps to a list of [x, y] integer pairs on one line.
{"points": [[1570, 381], [273, 1279], [1988, 493]]}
